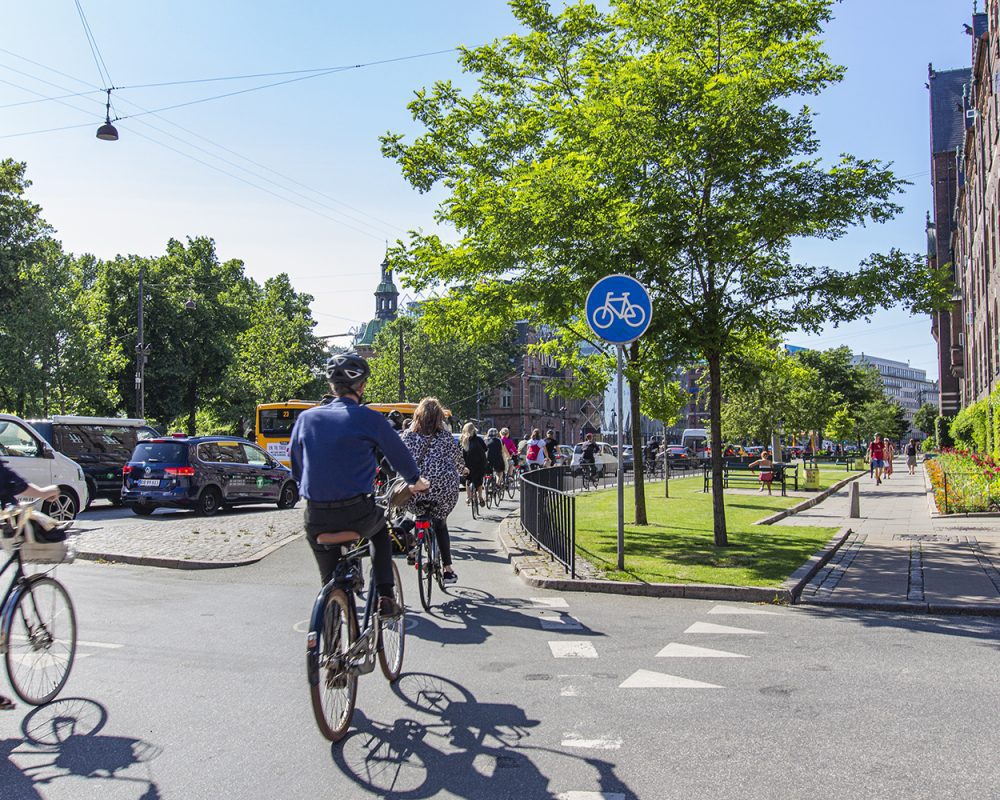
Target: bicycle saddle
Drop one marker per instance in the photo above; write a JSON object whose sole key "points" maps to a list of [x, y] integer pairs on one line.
{"points": [[339, 537]]}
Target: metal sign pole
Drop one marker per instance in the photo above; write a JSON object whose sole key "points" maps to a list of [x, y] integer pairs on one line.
{"points": [[621, 472]]}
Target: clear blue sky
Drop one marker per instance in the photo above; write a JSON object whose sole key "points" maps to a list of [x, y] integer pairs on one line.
{"points": [[131, 196]]}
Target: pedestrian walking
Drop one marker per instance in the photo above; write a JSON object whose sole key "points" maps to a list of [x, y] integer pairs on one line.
{"points": [[888, 453], [911, 456], [876, 452]]}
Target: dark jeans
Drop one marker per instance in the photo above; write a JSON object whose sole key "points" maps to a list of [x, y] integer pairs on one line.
{"points": [[359, 514], [443, 540]]}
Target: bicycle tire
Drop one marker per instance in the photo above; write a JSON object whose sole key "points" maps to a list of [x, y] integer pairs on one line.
{"points": [[335, 692], [40, 652], [488, 494], [511, 486], [424, 572], [475, 504], [392, 635]]}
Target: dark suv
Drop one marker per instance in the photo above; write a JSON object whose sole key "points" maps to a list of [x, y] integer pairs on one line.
{"points": [[206, 473], [100, 445]]}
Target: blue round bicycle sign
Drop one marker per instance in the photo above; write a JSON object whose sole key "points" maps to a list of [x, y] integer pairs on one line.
{"points": [[619, 309]]}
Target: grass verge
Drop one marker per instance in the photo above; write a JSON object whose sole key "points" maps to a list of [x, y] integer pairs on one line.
{"points": [[678, 547]]}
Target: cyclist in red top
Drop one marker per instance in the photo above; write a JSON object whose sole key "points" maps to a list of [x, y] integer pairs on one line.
{"points": [[876, 452]]}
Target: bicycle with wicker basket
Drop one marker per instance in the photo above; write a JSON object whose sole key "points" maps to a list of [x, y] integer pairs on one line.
{"points": [[37, 621]]}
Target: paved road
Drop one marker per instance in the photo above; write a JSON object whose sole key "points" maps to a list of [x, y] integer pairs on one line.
{"points": [[191, 685]]}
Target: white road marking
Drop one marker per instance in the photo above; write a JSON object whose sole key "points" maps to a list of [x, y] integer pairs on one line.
{"points": [[569, 691], [106, 645], [573, 650], [562, 622], [743, 610], [574, 740], [709, 627], [678, 650], [301, 627], [549, 602], [590, 796], [647, 679]]}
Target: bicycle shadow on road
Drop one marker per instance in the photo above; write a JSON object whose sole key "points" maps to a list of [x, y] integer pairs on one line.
{"points": [[453, 744], [62, 740], [466, 615]]}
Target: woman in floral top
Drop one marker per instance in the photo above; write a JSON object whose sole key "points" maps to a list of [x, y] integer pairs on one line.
{"points": [[440, 459]]}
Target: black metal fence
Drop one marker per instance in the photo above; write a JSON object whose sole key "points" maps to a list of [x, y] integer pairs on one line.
{"points": [[548, 515]]}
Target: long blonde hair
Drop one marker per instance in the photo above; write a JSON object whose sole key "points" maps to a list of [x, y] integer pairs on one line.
{"points": [[468, 431], [428, 417]]}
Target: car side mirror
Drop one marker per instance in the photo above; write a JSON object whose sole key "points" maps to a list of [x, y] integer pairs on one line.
{"points": [[48, 452]]}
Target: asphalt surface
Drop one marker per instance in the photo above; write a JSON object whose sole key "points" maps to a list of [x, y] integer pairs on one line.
{"points": [[192, 685]]}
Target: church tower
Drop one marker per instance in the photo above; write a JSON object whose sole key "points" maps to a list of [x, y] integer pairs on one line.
{"points": [[386, 295]]}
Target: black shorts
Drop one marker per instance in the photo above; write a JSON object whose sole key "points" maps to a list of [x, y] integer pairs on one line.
{"points": [[358, 514]]}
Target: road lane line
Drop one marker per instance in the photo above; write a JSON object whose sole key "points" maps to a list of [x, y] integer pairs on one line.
{"points": [[647, 679], [562, 622], [678, 650], [550, 602], [574, 740], [573, 650], [709, 627], [743, 610]]}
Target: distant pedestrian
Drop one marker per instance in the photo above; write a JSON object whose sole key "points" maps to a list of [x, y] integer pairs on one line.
{"points": [[876, 452], [766, 470], [888, 453], [911, 456]]}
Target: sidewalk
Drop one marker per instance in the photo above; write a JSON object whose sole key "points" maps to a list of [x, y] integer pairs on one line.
{"points": [[900, 558]]}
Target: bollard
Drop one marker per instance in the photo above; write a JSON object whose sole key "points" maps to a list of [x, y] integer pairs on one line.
{"points": [[855, 495]]}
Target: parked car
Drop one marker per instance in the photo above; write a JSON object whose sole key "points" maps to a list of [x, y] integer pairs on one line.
{"points": [[680, 457], [206, 473], [628, 457], [27, 453], [100, 445], [565, 455], [605, 459]]}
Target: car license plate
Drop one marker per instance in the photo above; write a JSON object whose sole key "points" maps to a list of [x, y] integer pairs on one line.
{"points": [[149, 482]]}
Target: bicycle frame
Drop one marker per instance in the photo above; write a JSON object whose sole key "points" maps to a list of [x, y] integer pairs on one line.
{"points": [[345, 578]]}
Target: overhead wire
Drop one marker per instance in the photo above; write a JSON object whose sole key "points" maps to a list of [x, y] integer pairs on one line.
{"points": [[379, 233], [95, 51]]}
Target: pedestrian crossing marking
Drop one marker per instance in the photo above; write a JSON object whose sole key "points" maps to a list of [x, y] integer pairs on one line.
{"points": [[562, 622], [647, 679], [573, 650], [574, 740], [550, 602], [678, 650], [590, 796], [709, 627], [743, 610]]}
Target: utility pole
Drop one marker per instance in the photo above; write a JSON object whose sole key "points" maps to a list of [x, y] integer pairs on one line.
{"points": [[141, 351], [402, 377]]}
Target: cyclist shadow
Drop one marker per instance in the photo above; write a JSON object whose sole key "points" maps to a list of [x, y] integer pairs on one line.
{"points": [[61, 740], [453, 745], [466, 615]]}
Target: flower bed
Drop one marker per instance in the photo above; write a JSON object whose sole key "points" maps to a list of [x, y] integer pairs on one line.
{"points": [[964, 482]]}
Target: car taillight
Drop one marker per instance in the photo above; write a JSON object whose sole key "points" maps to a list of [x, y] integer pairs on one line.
{"points": [[179, 470], [126, 469]]}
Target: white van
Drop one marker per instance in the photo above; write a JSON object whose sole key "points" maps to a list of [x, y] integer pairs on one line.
{"points": [[25, 451], [604, 459], [697, 440]]}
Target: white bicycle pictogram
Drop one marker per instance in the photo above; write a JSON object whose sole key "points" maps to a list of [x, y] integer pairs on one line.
{"points": [[619, 307]]}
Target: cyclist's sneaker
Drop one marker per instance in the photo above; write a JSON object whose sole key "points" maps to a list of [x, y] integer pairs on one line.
{"points": [[450, 577], [388, 608], [411, 557]]}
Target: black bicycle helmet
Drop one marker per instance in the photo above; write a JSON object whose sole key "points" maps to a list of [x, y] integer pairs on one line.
{"points": [[395, 418], [347, 369]]}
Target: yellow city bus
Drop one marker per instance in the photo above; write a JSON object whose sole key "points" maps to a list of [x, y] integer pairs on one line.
{"points": [[276, 420]]}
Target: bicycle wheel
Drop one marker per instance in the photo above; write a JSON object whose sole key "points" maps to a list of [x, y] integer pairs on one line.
{"points": [[392, 635], [335, 689], [488, 493], [511, 483], [425, 570], [475, 504], [41, 640]]}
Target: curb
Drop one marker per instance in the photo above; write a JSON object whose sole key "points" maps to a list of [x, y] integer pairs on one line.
{"points": [[808, 503], [779, 595], [908, 606], [797, 581], [183, 563]]}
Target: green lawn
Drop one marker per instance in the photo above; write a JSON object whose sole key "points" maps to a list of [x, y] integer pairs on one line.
{"points": [[828, 475], [677, 546]]}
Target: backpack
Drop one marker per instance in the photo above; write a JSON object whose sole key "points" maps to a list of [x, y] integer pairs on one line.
{"points": [[533, 451]]}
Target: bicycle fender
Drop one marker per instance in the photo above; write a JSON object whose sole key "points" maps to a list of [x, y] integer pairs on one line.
{"points": [[312, 638]]}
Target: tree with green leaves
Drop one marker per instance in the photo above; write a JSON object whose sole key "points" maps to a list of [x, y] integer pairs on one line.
{"points": [[924, 418], [657, 138], [455, 371], [842, 425], [883, 416]]}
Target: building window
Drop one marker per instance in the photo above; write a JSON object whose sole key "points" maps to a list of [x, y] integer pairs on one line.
{"points": [[506, 397]]}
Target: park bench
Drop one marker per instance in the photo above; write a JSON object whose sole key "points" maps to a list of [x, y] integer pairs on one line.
{"points": [[847, 460], [741, 474]]}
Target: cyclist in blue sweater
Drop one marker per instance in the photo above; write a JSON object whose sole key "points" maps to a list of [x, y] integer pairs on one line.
{"points": [[333, 454]]}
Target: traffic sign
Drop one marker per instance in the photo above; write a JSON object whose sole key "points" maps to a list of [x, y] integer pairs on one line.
{"points": [[619, 309]]}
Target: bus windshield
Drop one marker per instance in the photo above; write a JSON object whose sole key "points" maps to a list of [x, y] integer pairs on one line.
{"points": [[277, 421]]}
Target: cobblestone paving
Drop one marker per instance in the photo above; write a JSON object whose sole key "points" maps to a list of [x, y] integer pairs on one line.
{"points": [[232, 536]]}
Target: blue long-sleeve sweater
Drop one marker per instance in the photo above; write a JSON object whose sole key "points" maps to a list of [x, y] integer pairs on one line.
{"points": [[333, 451]]}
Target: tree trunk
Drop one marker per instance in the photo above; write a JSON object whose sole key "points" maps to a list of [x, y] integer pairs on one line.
{"points": [[637, 472], [715, 439]]}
